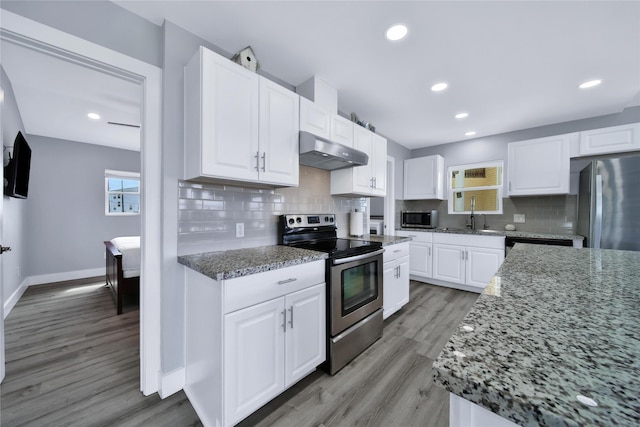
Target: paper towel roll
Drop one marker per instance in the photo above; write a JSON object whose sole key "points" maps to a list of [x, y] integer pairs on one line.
{"points": [[356, 220]]}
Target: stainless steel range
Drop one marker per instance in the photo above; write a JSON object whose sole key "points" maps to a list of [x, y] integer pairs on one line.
{"points": [[354, 284]]}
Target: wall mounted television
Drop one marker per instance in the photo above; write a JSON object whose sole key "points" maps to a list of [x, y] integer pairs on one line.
{"points": [[16, 173]]}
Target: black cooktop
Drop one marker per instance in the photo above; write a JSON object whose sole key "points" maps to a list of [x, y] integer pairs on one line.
{"points": [[340, 248]]}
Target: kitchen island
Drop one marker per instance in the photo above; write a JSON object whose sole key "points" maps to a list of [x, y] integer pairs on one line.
{"points": [[552, 341]]}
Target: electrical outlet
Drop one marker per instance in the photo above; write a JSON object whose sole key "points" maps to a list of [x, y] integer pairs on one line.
{"points": [[518, 217], [240, 229]]}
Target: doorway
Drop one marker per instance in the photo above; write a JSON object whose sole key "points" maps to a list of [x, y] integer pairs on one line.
{"points": [[17, 29]]}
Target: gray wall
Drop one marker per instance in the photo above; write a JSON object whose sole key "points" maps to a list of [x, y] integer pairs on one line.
{"points": [[494, 147], [65, 209], [14, 224], [101, 22]]}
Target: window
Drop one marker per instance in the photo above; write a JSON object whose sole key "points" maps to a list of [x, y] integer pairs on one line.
{"points": [[480, 184], [122, 193]]}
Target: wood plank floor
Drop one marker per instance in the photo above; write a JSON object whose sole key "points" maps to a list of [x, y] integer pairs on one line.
{"points": [[72, 362]]}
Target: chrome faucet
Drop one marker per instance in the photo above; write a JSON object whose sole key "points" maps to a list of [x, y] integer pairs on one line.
{"points": [[484, 222], [472, 218]]}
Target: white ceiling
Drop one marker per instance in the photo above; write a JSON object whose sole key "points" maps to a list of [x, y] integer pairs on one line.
{"points": [[54, 97], [510, 65]]}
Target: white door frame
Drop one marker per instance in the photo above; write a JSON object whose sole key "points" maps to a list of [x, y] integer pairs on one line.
{"points": [[390, 198], [19, 29]]}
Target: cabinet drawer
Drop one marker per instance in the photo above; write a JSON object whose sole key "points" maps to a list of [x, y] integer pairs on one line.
{"points": [[256, 288], [417, 236], [393, 252], [494, 242]]}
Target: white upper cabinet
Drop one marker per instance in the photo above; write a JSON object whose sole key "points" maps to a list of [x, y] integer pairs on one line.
{"points": [[279, 118], [424, 178], [615, 139], [322, 122], [539, 166], [238, 125], [368, 180], [315, 119], [341, 130]]}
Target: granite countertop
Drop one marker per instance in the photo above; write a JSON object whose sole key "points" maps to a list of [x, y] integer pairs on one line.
{"points": [[492, 232], [243, 262], [554, 323], [383, 238]]}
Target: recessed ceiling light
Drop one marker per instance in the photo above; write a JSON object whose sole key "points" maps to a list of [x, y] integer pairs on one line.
{"points": [[590, 83], [439, 87], [93, 116], [461, 115], [396, 32], [470, 133]]}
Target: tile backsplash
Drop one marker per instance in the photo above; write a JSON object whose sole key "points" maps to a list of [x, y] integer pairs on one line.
{"points": [[543, 214], [208, 213]]}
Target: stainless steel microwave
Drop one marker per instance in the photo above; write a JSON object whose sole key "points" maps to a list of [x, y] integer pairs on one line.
{"points": [[419, 219]]}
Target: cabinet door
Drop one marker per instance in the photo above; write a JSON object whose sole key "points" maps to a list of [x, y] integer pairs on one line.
{"points": [[449, 263], [482, 265], [341, 130], [254, 341], [420, 259], [378, 160], [229, 119], [314, 118], [389, 289], [403, 282], [363, 176], [279, 125], [306, 332], [423, 178], [615, 139], [539, 166]]}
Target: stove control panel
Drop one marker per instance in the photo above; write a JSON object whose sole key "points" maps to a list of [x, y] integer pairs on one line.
{"points": [[309, 220]]}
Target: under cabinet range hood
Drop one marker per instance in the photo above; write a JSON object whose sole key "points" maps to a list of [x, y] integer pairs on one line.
{"points": [[321, 153]]}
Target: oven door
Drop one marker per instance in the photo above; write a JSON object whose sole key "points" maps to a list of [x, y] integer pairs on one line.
{"points": [[355, 289]]}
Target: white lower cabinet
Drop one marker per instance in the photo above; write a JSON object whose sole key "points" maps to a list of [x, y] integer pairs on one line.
{"points": [[463, 261], [463, 413], [250, 338], [467, 260], [420, 253], [396, 278]]}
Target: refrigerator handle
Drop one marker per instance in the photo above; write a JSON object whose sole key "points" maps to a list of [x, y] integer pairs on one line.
{"points": [[597, 235]]}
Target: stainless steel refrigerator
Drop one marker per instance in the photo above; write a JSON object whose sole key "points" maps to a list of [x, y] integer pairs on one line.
{"points": [[609, 203]]}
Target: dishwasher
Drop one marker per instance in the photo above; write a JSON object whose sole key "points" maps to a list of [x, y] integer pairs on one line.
{"points": [[509, 242]]}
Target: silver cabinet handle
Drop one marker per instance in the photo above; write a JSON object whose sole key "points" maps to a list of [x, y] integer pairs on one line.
{"points": [[399, 272], [509, 185], [284, 320], [396, 251], [462, 254], [257, 160], [429, 250], [466, 255], [264, 161], [282, 282], [291, 317]]}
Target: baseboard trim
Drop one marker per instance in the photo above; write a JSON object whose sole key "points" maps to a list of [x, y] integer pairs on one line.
{"points": [[15, 297], [64, 276], [437, 282], [48, 278], [172, 382]]}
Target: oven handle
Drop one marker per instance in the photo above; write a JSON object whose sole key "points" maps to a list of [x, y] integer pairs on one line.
{"points": [[357, 257]]}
